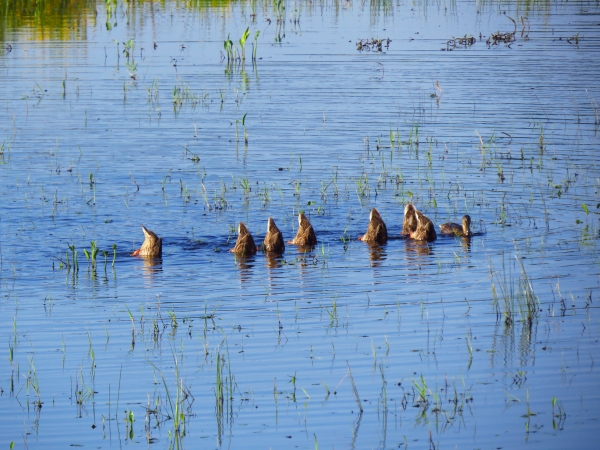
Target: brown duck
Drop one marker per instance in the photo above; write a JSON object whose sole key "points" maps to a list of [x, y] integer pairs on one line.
{"points": [[454, 229], [306, 234], [425, 230], [410, 219], [273, 242], [377, 231], [152, 246], [245, 243]]}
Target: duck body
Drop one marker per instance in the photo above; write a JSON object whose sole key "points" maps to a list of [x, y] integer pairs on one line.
{"points": [[377, 231], [425, 230], [305, 237], [273, 242], [410, 220], [152, 246], [245, 242], [454, 229]]}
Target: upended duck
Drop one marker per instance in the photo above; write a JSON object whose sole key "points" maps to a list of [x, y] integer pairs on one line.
{"points": [[410, 220], [377, 231], [454, 229], [273, 242], [417, 225], [305, 237], [244, 245], [152, 246]]}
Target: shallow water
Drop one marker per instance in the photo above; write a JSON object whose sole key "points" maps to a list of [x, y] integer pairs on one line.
{"points": [[508, 135]]}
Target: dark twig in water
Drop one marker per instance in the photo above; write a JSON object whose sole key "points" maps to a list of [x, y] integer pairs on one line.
{"points": [[465, 41], [507, 38], [375, 45]]}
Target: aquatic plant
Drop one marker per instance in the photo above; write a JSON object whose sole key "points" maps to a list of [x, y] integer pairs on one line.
{"points": [[280, 11], [245, 129], [255, 46], [91, 256], [228, 47], [356, 396], [529, 303], [242, 41], [421, 390], [175, 404]]}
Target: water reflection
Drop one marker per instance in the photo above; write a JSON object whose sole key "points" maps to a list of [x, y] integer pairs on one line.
{"points": [[66, 21], [48, 20], [505, 344], [418, 254], [377, 254], [150, 267], [245, 265], [273, 260], [420, 248], [466, 243]]}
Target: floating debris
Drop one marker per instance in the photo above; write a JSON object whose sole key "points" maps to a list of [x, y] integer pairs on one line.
{"points": [[507, 38], [375, 45], [498, 37], [465, 41], [574, 39]]}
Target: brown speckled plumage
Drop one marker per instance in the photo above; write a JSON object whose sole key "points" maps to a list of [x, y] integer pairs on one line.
{"points": [[377, 231], [273, 242], [306, 234], [245, 243], [410, 220], [454, 229], [152, 246], [425, 230]]}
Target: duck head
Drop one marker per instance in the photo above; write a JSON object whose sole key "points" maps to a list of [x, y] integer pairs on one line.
{"points": [[466, 224]]}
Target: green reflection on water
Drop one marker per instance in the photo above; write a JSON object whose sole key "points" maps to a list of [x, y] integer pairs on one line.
{"points": [[69, 20], [46, 19]]}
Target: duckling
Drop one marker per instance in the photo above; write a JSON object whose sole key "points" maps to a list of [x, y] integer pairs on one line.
{"points": [[245, 243], [425, 230], [306, 234], [274, 239], [152, 246], [410, 221], [454, 229], [377, 231]]}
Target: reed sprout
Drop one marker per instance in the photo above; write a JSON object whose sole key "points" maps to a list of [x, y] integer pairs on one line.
{"points": [[421, 390], [228, 46], [74, 258], [356, 396], [245, 129], [242, 41], [92, 255], [255, 46]]}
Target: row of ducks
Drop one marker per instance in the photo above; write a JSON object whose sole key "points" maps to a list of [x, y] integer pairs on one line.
{"points": [[416, 225]]}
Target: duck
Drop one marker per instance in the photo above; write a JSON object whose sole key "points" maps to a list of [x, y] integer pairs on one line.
{"points": [[425, 230], [152, 246], [273, 242], [454, 229], [306, 234], [245, 243], [410, 220], [377, 231]]}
